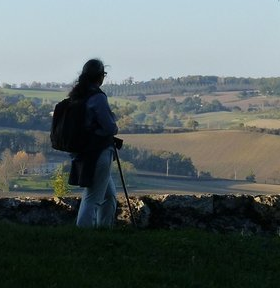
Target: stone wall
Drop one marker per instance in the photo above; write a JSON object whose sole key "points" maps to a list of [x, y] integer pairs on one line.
{"points": [[245, 214]]}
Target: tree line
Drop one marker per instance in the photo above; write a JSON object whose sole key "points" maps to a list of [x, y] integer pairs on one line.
{"points": [[29, 141], [158, 161], [158, 115], [174, 86], [17, 111], [193, 84]]}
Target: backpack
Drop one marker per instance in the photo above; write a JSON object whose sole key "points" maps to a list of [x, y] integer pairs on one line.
{"points": [[68, 131]]}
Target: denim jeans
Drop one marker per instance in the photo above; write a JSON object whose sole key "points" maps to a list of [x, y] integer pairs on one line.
{"points": [[98, 204]]}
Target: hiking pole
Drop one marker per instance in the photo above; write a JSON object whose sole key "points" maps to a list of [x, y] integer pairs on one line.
{"points": [[124, 187]]}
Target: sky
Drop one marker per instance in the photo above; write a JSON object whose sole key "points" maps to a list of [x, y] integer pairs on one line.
{"points": [[50, 40]]}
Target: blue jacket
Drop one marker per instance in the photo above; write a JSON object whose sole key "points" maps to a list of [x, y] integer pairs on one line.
{"points": [[99, 115], [100, 119]]}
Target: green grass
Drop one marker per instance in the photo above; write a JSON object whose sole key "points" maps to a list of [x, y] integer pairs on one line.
{"points": [[33, 182], [223, 120], [59, 95], [119, 101], [33, 256]]}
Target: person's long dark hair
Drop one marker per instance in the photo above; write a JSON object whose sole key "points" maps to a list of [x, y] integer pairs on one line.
{"points": [[92, 72]]}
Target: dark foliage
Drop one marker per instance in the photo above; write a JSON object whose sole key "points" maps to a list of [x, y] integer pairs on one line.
{"points": [[157, 161]]}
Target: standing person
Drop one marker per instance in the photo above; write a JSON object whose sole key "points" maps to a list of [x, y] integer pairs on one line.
{"points": [[92, 168]]}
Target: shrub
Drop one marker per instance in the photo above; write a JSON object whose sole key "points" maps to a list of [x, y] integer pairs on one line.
{"points": [[251, 177], [60, 183]]}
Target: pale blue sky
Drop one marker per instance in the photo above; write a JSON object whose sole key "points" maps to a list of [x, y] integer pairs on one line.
{"points": [[49, 40]]}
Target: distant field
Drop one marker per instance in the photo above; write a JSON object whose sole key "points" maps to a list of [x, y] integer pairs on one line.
{"points": [[231, 99], [122, 101], [227, 98], [164, 97], [58, 95], [265, 123], [225, 153], [223, 119], [223, 97], [228, 120], [51, 95]]}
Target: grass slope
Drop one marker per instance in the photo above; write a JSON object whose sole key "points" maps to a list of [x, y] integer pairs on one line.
{"points": [[50, 95], [223, 119], [220, 152], [69, 257], [59, 95]]}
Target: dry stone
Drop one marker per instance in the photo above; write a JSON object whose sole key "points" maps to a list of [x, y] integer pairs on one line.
{"points": [[140, 210], [245, 214]]}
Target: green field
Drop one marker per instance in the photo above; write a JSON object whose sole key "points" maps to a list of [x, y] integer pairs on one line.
{"points": [[229, 120], [50, 95], [59, 95], [223, 120], [33, 182], [225, 153], [65, 256]]}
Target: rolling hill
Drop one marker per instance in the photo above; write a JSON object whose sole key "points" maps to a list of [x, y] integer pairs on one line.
{"points": [[224, 153]]}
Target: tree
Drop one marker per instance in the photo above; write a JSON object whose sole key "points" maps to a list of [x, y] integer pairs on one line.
{"points": [[6, 85], [16, 141], [6, 170], [141, 98], [192, 124], [37, 161], [217, 105], [251, 177], [35, 85], [173, 122], [21, 161], [139, 117], [157, 161], [125, 122], [128, 170], [39, 158], [25, 111], [129, 81], [60, 183], [204, 175], [24, 86]]}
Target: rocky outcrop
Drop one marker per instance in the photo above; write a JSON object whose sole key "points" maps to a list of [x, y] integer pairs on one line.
{"points": [[246, 214]]}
